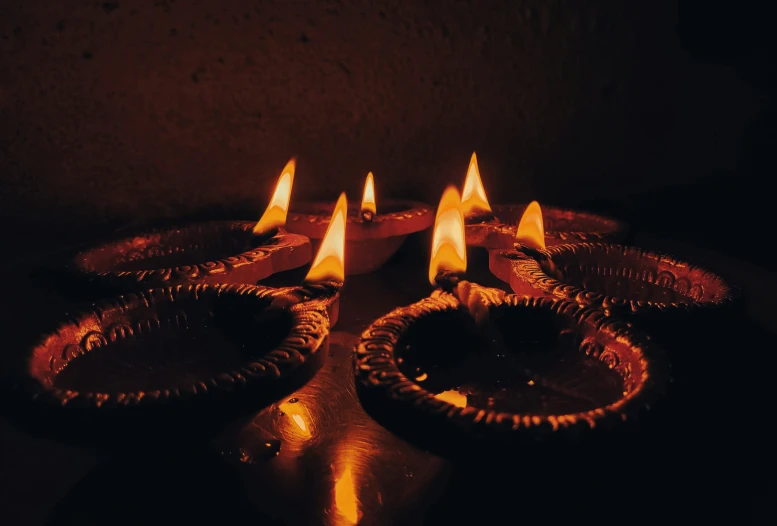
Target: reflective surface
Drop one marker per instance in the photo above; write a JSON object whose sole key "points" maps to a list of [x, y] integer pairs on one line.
{"points": [[316, 457]]}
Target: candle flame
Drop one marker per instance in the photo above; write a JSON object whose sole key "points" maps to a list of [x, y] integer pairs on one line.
{"points": [[449, 251], [473, 196], [453, 397], [531, 230], [275, 215], [330, 260], [346, 497], [368, 199]]}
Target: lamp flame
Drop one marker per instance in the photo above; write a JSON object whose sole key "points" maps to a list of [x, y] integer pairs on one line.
{"points": [[368, 199], [473, 197], [453, 397], [275, 215], [531, 229], [449, 251], [330, 260]]}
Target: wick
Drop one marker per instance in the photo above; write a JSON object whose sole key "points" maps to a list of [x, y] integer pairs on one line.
{"points": [[367, 216], [267, 234], [541, 256], [447, 280]]}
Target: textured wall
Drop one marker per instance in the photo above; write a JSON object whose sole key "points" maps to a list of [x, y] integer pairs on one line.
{"points": [[122, 111]]}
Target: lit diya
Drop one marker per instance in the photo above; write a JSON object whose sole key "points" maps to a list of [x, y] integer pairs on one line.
{"points": [[470, 366], [168, 362], [184, 359], [375, 232], [495, 226], [616, 278], [204, 252]]}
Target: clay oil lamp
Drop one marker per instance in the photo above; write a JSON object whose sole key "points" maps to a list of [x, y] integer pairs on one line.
{"points": [[176, 362], [663, 294], [375, 231], [181, 360], [471, 370], [202, 252], [494, 226]]}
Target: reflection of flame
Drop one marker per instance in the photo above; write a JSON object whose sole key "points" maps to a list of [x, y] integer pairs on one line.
{"points": [[531, 231], [297, 413], [275, 215], [449, 251], [368, 199], [473, 196], [330, 260], [346, 496], [453, 397]]}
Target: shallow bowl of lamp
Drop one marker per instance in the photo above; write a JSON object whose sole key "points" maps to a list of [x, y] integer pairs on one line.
{"points": [[168, 363], [369, 243], [202, 253], [562, 226], [519, 370]]}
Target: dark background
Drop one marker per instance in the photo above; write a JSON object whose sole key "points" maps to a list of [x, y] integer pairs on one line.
{"points": [[122, 112]]}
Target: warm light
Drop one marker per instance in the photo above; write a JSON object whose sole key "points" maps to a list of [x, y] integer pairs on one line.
{"points": [[300, 423], [453, 397], [449, 251], [531, 231], [368, 199], [346, 497], [275, 215], [473, 197], [330, 260]]}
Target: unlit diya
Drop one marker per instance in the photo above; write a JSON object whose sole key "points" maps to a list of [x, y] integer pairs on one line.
{"points": [[374, 233], [169, 362], [495, 226]]}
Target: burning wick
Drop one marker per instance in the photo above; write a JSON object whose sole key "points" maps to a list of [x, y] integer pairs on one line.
{"points": [[448, 264], [449, 253], [474, 203], [275, 215], [329, 264], [369, 209], [530, 237]]}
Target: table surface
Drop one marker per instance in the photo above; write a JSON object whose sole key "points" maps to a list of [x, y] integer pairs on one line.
{"points": [[336, 465]]}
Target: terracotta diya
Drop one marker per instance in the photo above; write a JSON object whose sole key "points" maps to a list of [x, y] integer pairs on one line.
{"points": [[205, 252], [169, 362], [495, 226], [471, 370], [375, 232], [616, 278]]}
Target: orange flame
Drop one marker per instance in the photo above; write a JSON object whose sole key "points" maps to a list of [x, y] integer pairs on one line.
{"points": [[275, 215], [449, 251], [346, 496], [330, 260], [473, 197], [531, 230], [368, 199], [453, 397]]}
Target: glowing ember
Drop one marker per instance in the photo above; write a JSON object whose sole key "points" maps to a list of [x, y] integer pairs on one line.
{"points": [[473, 197], [275, 215], [449, 251], [346, 497], [531, 230], [330, 260], [368, 199], [452, 397]]}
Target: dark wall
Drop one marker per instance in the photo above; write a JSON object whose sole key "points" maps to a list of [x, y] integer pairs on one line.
{"points": [[123, 111]]}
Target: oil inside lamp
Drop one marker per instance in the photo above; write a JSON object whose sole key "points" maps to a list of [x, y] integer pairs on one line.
{"points": [[205, 252], [494, 226], [372, 237]]}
